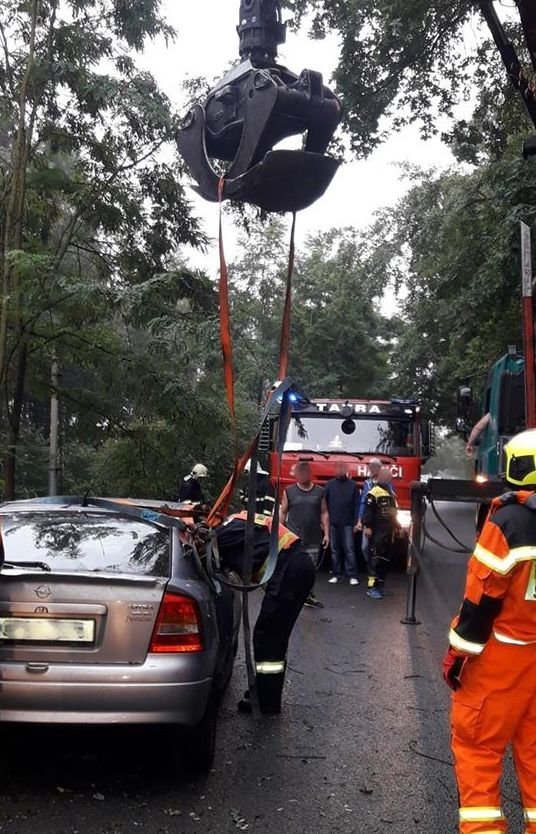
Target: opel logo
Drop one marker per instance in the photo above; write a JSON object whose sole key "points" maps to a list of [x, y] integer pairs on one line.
{"points": [[43, 591]]}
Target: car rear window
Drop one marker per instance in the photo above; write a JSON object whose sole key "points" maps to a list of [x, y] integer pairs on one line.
{"points": [[86, 542]]}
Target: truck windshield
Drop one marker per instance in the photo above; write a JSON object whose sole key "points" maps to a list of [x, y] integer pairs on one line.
{"points": [[324, 434]]}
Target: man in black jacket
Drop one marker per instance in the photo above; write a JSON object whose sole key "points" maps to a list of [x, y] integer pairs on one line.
{"points": [[379, 524], [342, 499], [285, 595]]}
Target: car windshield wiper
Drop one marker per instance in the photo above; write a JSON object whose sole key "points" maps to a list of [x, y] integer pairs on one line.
{"points": [[39, 565]]}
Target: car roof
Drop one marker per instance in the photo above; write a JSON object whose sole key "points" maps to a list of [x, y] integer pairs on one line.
{"points": [[79, 503]]}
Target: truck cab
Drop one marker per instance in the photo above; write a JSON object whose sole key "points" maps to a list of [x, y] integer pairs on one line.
{"points": [[504, 400], [324, 432]]}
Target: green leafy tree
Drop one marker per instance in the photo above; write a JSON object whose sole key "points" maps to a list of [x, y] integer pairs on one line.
{"points": [[340, 341], [453, 244], [402, 61], [89, 201]]}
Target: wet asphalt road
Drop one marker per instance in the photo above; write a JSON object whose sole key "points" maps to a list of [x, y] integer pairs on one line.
{"points": [[362, 745]]}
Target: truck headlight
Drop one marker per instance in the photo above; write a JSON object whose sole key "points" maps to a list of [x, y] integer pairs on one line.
{"points": [[404, 518]]}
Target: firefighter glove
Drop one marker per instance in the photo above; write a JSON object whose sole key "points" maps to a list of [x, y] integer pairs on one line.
{"points": [[453, 663]]}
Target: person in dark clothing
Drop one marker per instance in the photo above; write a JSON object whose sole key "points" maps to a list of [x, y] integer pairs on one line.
{"points": [[375, 467], [285, 595], [264, 491], [304, 511], [342, 499], [379, 524], [190, 489]]}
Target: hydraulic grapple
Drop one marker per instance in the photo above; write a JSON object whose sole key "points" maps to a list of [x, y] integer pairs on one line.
{"points": [[252, 109]]}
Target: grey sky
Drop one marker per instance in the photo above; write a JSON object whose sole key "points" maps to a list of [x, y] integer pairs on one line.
{"points": [[207, 41]]}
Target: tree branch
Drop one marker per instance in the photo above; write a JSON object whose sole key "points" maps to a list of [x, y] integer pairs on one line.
{"points": [[9, 69]]}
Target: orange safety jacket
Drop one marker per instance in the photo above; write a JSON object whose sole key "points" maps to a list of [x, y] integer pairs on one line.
{"points": [[500, 593], [286, 537]]}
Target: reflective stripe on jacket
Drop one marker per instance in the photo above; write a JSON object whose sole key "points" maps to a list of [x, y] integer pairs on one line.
{"points": [[286, 537], [500, 593]]}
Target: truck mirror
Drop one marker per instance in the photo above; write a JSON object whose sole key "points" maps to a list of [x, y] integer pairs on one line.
{"points": [[464, 402], [428, 439]]}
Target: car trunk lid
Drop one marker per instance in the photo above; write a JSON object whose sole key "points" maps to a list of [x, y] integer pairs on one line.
{"points": [[100, 599], [78, 619]]}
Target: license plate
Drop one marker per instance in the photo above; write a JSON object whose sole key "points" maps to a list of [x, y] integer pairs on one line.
{"points": [[46, 630]]}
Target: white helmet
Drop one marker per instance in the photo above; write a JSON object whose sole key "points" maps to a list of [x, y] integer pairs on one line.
{"points": [[260, 470], [199, 471]]}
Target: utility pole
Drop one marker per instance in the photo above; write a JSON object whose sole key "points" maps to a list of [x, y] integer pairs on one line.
{"points": [[53, 454]]}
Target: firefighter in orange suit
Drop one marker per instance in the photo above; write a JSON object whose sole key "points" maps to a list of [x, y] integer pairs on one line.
{"points": [[491, 662], [285, 595]]}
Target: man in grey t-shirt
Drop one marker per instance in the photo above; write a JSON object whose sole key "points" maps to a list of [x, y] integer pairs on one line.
{"points": [[304, 511]]}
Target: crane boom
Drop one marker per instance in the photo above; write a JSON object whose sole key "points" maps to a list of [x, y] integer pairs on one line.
{"points": [[516, 73]]}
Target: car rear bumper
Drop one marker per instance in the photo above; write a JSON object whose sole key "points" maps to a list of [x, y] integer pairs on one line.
{"points": [[101, 695]]}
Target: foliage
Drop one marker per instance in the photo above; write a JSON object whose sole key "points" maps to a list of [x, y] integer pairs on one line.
{"points": [[401, 61], [340, 341], [93, 216], [498, 113], [90, 203], [453, 243]]}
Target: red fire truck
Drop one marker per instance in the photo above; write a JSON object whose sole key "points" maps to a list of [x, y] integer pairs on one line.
{"points": [[324, 432]]}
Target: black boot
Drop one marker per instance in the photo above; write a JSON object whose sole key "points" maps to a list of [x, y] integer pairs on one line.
{"points": [[270, 692]]}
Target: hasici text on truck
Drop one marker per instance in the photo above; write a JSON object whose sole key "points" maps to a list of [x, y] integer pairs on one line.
{"points": [[324, 432]]}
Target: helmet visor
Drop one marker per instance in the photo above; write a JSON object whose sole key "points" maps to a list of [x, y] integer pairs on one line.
{"points": [[521, 468]]}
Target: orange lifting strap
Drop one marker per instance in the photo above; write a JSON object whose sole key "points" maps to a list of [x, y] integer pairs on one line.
{"points": [[221, 505]]}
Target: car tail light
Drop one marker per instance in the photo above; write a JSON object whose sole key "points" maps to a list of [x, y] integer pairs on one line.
{"points": [[178, 626]]}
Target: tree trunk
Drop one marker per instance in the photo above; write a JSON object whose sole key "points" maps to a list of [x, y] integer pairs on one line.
{"points": [[10, 280], [14, 419], [14, 219], [54, 451]]}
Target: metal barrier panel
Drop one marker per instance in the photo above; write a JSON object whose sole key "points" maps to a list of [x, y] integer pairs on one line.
{"points": [[438, 489]]}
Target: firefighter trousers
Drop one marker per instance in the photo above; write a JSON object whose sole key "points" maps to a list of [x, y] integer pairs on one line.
{"points": [[495, 707], [286, 593], [380, 554]]}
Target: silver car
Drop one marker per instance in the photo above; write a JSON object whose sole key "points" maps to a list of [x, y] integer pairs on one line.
{"points": [[106, 619]]}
